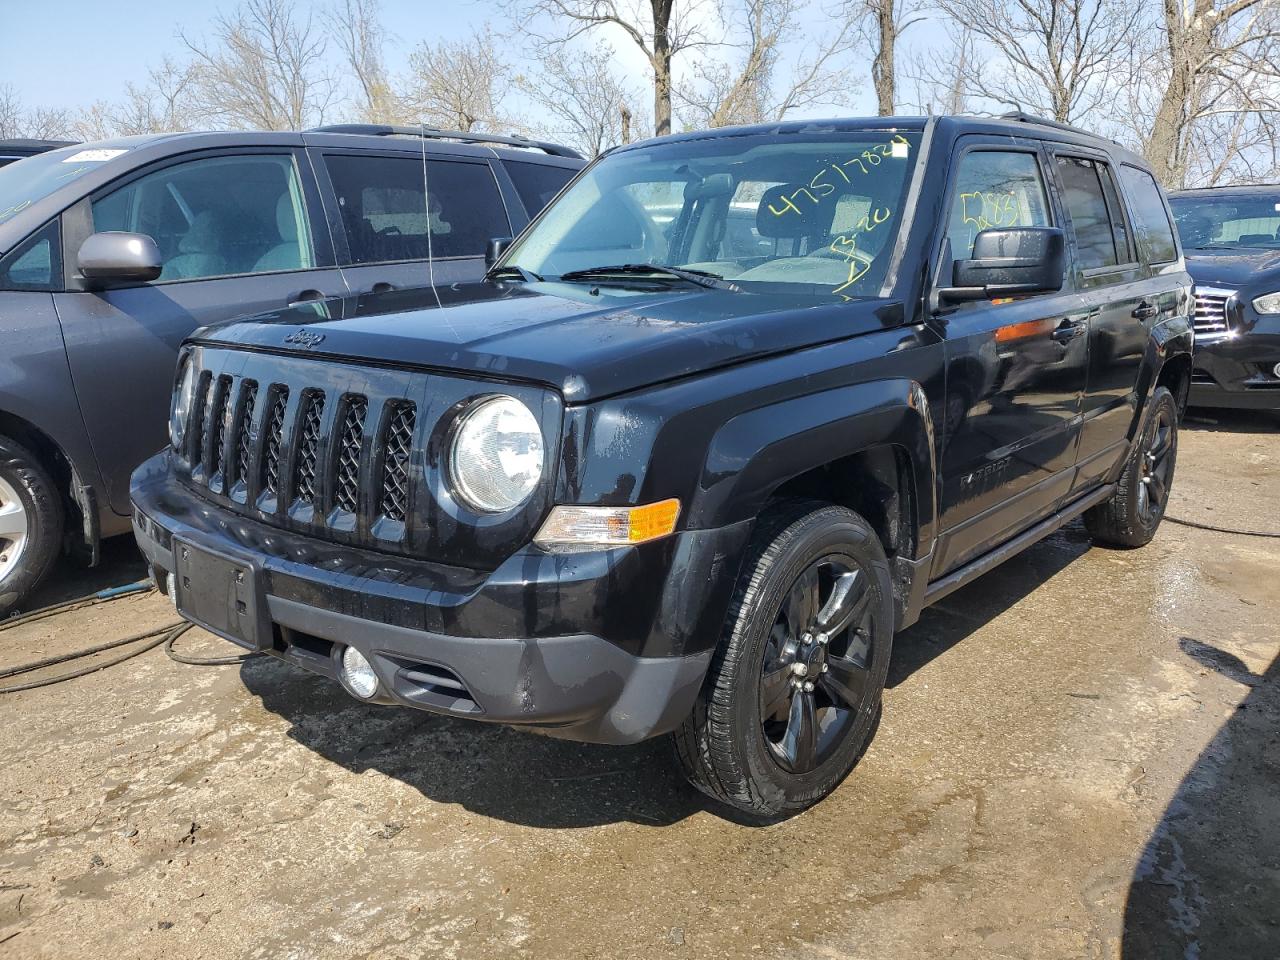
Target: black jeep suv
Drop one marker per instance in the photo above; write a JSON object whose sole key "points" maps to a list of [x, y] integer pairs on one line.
{"points": [[730, 413], [1232, 239]]}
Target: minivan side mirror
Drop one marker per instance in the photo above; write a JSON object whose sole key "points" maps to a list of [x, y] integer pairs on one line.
{"points": [[1009, 262], [494, 249], [116, 257]]}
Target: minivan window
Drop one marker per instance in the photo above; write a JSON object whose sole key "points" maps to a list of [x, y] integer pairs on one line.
{"points": [[995, 188], [1150, 218], [36, 264], [811, 213], [216, 217], [537, 183], [386, 217], [1087, 209]]}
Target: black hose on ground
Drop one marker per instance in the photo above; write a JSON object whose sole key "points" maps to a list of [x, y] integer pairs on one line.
{"points": [[1212, 528]]}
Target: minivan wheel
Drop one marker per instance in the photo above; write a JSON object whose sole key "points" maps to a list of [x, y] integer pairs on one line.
{"points": [[30, 523], [1132, 515], [792, 696]]}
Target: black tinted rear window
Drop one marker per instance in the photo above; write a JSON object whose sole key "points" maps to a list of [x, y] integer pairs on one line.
{"points": [[1151, 220], [537, 183]]}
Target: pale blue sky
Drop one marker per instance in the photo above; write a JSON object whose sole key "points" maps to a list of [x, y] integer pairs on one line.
{"points": [[69, 53]]}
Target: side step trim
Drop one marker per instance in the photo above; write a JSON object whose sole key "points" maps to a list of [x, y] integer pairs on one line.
{"points": [[992, 559]]}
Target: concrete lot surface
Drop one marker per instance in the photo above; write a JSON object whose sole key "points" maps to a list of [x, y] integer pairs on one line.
{"points": [[1080, 757]]}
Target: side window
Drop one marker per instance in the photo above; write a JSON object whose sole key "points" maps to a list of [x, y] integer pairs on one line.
{"points": [[216, 217], [1086, 203], [35, 264], [388, 219], [537, 183], [995, 188], [1151, 219]]}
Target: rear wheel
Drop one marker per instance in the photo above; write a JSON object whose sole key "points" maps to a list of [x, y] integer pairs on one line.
{"points": [[30, 523], [793, 695], [1133, 514]]}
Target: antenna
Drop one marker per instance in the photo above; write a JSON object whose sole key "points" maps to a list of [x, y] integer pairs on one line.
{"points": [[426, 206]]}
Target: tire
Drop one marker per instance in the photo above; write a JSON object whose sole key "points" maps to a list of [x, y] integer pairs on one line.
{"points": [[730, 746], [1131, 517], [31, 523]]}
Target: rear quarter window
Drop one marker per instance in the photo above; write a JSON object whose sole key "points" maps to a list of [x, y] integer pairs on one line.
{"points": [[1150, 218]]}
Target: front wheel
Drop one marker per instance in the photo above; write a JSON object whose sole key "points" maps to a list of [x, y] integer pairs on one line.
{"points": [[30, 523], [793, 694], [1132, 515]]}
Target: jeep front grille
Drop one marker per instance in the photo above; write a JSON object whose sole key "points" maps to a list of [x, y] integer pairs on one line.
{"points": [[346, 481], [341, 452], [304, 476], [1211, 310]]}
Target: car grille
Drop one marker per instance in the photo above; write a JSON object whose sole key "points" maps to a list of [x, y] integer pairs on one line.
{"points": [[1211, 310], [341, 452]]}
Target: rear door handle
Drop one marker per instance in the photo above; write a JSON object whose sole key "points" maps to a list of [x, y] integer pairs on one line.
{"points": [[1067, 331], [1145, 311], [305, 296]]}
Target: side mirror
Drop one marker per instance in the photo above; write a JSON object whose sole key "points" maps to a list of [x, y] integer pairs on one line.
{"points": [[494, 249], [110, 258], [1009, 262]]}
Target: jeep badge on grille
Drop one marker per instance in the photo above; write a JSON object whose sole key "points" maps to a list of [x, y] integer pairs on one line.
{"points": [[304, 338]]}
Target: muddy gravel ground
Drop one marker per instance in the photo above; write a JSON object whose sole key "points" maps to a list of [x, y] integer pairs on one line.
{"points": [[1079, 757]]}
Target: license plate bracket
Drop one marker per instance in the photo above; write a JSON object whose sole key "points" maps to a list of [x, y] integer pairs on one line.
{"points": [[221, 593]]}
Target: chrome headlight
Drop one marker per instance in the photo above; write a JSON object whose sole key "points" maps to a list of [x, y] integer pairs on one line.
{"points": [[1268, 303], [180, 409], [496, 458]]}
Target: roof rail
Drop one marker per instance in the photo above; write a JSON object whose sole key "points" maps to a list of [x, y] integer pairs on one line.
{"points": [[1021, 117], [434, 133]]}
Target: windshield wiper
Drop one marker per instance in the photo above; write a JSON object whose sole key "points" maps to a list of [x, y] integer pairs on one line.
{"points": [[511, 270], [703, 278]]}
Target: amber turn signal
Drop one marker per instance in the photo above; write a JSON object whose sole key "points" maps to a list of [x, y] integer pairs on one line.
{"points": [[609, 526]]}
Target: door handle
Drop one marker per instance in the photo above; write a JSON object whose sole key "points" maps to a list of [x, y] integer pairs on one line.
{"points": [[306, 296], [382, 287], [1067, 331], [1145, 311]]}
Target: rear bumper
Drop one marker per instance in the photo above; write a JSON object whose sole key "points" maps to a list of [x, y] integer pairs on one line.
{"points": [[539, 642]]}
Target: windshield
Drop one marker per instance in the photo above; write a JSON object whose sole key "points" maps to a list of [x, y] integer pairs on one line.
{"points": [[813, 214], [30, 180], [1243, 221]]}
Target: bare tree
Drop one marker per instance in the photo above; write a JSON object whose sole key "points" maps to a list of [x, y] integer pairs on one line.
{"points": [[941, 80], [1050, 57], [656, 28], [753, 89], [883, 22], [357, 26], [591, 108], [1219, 67], [458, 85], [39, 123], [262, 66]]}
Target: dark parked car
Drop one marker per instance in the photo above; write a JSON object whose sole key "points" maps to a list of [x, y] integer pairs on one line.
{"points": [[1232, 239], [641, 481], [12, 150], [111, 253]]}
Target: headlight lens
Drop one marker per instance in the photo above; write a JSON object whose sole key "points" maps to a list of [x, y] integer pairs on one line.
{"points": [[1268, 303], [180, 410], [497, 456]]}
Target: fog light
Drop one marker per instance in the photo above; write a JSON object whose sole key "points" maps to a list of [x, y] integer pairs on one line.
{"points": [[171, 588], [357, 674], [1276, 369]]}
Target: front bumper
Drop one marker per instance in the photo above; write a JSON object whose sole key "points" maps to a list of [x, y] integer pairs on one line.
{"points": [[1239, 370], [608, 646]]}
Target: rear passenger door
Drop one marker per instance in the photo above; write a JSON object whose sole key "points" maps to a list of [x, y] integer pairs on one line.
{"points": [[1015, 368], [387, 227], [239, 232], [1112, 281]]}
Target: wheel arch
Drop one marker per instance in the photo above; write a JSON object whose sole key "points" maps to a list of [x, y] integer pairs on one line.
{"points": [[78, 499]]}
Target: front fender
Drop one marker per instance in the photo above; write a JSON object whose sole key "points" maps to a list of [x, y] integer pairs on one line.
{"points": [[756, 452]]}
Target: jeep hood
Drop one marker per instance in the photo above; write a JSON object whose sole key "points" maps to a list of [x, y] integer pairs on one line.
{"points": [[585, 344]]}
